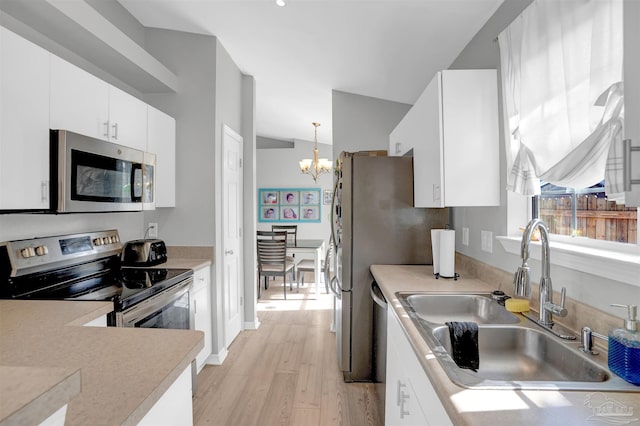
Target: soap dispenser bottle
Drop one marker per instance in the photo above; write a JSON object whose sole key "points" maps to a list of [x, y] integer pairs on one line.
{"points": [[624, 347]]}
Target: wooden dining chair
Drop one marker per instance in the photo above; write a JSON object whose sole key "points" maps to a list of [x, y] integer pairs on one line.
{"points": [[292, 236], [272, 259]]}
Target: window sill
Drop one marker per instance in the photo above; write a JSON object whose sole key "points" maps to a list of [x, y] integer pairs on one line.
{"points": [[615, 261]]}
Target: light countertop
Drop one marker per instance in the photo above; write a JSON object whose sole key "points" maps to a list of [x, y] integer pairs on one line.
{"points": [[180, 263], [487, 407], [123, 371]]}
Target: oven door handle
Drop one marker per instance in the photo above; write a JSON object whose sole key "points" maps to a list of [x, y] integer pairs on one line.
{"points": [[148, 306]]}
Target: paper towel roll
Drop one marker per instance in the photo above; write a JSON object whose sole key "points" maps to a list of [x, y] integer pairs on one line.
{"points": [[447, 257], [435, 249]]}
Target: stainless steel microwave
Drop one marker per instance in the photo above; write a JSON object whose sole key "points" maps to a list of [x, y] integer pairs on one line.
{"points": [[91, 175]]}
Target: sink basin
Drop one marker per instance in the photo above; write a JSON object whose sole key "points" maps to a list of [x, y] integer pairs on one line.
{"points": [[519, 354], [440, 308], [514, 353]]}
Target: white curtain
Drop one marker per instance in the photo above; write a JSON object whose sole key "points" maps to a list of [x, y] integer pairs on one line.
{"points": [[561, 74]]}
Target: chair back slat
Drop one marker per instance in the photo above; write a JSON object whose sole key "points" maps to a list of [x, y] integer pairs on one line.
{"points": [[272, 249], [291, 230]]}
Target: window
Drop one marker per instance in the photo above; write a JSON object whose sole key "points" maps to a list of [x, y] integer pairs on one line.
{"points": [[561, 69], [585, 213]]}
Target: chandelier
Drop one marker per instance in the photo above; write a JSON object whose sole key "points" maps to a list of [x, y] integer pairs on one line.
{"points": [[315, 167]]}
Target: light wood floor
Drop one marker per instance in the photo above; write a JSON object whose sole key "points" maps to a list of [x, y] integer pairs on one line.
{"points": [[284, 373]]}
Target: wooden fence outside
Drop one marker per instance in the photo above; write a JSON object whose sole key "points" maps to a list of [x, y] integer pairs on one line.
{"points": [[596, 217]]}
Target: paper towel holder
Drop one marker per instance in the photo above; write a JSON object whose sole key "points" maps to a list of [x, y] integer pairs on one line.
{"points": [[454, 277]]}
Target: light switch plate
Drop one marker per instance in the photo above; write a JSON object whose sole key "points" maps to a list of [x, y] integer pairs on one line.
{"points": [[486, 238], [465, 236]]}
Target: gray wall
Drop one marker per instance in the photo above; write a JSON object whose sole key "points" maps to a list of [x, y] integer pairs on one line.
{"points": [[249, 200], [191, 222], [363, 123], [279, 168], [483, 52]]}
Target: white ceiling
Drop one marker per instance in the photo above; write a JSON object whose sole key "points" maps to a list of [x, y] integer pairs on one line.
{"points": [[387, 49]]}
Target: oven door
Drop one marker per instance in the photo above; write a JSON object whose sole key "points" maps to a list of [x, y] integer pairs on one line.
{"points": [[168, 309], [94, 175]]}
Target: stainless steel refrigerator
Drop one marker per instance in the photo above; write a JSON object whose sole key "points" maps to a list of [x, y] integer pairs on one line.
{"points": [[373, 222]]}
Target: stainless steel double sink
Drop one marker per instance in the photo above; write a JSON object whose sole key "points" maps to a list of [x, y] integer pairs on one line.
{"points": [[514, 353]]}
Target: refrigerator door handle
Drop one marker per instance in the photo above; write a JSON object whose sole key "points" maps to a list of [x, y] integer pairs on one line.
{"points": [[333, 213], [327, 264], [333, 284]]}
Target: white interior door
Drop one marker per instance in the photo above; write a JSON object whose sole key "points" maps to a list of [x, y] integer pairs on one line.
{"points": [[232, 275]]}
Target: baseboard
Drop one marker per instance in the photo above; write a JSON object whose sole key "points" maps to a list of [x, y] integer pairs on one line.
{"points": [[252, 325], [217, 359]]}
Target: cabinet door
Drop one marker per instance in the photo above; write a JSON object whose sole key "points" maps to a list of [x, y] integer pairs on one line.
{"points": [[202, 312], [24, 124], [161, 141], [470, 131], [428, 167], [410, 396], [127, 119], [79, 100]]}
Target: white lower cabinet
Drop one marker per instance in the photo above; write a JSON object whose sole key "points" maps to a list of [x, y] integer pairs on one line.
{"points": [[410, 397], [201, 306], [175, 406]]}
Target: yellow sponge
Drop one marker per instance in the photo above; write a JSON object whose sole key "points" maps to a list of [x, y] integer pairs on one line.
{"points": [[516, 305]]}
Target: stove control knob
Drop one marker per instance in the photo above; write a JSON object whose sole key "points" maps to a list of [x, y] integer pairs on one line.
{"points": [[112, 239], [117, 238], [42, 250], [26, 252], [105, 240], [97, 242]]}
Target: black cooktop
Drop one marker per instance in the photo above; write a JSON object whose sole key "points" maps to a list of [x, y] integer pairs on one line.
{"points": [[124, 286]]}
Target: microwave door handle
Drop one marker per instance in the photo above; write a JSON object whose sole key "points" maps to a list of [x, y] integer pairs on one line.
{"points": [[134, 167]]}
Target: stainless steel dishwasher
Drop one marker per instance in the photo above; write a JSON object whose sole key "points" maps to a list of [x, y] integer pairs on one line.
{"points": [[379, 343]]}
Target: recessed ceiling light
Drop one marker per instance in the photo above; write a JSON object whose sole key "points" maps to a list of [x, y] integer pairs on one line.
{"points": [[281, 3]]}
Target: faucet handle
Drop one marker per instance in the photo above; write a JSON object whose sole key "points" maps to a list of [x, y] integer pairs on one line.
{"points": [[559, 310]]}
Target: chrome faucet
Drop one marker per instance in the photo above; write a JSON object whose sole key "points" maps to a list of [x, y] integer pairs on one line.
{"points": [[522, 277]]}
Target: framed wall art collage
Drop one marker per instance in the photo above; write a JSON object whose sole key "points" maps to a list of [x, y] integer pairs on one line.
{"points": [[289, 205]]}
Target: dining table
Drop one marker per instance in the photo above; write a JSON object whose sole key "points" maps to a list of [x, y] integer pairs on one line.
{"points": [[313, 247]]}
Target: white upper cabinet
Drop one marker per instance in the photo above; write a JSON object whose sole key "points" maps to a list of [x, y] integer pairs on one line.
{"points": [[127, 119], [403, 137], [82, 103], [79, 100], [161, 133], [24, 123], [453, 131]]}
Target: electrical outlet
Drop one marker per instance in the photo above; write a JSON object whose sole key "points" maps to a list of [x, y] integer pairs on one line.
{"points": [[465, 236], [486, 238], [153, 230]]}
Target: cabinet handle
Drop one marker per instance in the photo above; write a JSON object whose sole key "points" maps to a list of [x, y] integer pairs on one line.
{"points": [[115, 130], [228, 252], [402, 399], [400, 393], [106, 129], [44, 191], [398, 144], [195, 306]]}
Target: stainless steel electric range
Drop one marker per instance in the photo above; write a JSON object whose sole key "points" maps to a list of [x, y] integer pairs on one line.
{"points": [[87, 266]]}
